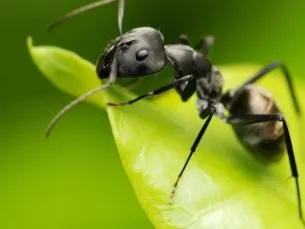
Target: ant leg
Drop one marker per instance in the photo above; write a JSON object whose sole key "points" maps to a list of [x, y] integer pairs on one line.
{"points": [[264, 72], [187, 89], [211, 111], [205, 44], [251, 119], [183, 39], [155, 92]]}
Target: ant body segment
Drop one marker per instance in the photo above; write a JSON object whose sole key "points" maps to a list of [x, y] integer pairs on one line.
{"points": [[253, 113]]}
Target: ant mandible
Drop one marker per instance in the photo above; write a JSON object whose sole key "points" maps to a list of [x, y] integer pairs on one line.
{"points": [[253, 113]]}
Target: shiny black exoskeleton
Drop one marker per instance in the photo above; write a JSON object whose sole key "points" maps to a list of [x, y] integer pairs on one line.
{"points": [[253, 112]]}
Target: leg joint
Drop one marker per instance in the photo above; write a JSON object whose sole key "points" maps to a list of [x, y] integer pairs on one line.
{"points": [[280, 118], [213, 109]]}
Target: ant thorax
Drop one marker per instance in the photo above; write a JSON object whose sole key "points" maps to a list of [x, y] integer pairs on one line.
{"points": [[209, 92]]}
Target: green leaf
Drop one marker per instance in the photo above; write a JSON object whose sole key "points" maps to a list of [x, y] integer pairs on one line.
{"points": [[223, 186], [66, 70]]}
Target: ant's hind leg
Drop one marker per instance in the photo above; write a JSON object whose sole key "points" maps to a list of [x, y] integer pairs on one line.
{"points": [[249, 119], [264, 72]]}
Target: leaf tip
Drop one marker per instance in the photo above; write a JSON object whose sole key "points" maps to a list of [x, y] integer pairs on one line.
{"points": [[29, 42]]}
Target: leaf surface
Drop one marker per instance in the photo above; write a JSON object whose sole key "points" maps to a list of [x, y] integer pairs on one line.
{"points": [[224, 187]]}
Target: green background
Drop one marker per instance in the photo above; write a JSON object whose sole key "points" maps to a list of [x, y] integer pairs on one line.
{"points": [[75, 179]]}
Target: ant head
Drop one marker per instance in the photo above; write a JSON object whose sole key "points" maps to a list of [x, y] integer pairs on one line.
{"points": [[140, 52], [137, 53]]}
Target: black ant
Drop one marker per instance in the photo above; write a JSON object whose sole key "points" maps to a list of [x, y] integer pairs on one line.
{"points": [[253, 112]]}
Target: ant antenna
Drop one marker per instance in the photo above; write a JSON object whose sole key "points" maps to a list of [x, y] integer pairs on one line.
{"points": [[89, 7], [121, 15], [111, 80], [69, 107], [114, 66]]}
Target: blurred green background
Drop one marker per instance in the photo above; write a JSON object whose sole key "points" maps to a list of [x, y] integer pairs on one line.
{"points": [[75, 179]]}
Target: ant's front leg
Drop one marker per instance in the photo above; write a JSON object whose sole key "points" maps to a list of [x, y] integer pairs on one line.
{"points": [[155, 92]]}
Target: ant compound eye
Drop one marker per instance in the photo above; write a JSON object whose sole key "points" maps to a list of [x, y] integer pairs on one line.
{"points": [[124, 47], [141, 55]]}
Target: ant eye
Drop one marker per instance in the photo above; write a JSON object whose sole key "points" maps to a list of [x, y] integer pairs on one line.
{"points": [[141, 55], [124, 46]]}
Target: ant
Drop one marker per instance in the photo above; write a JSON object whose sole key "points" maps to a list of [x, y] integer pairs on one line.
{"points": [[253, 112]]}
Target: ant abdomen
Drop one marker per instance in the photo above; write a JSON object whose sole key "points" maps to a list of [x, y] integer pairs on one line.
{"points": [[266, 141]]}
